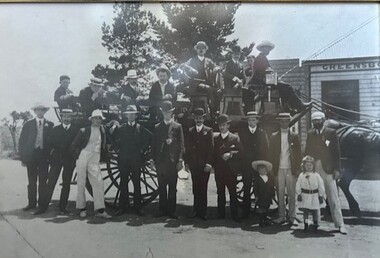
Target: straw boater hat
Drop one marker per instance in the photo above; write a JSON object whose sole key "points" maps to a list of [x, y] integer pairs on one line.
{"points": [[284, 116], [39, 105], [223, 118], [167, 106], [96, 113], [131, 74], [201, 43], [257, 163], [265, 43], [251, 114], [131, 109], [317, 115], [96, 82], [66, 111], [163, 68], [199, 112]]}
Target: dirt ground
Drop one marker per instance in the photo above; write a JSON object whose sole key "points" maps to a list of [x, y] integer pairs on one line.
{"points": [[55, 235]]}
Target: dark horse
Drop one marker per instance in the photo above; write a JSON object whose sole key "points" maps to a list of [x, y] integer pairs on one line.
{"points": [[360, 156]]}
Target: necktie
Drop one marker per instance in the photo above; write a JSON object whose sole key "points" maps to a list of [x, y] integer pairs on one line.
{"points": [[39, 123]]}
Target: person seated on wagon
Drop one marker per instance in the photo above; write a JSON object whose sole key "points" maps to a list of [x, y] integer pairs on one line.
{"points": [[91, 97], [287, 94], [162, 89], [63, 95], [130, 92]]}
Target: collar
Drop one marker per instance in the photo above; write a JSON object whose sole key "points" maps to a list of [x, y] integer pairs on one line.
{"points": [[166, 123], [199, 128], [162, 85], [252, 129], [224, 135], [284, 131], [235, 61], [319, 131], [201, 58], [40, 119], [66, 126], [131, 123]]}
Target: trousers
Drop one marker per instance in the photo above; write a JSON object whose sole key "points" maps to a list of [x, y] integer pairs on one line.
{"points": [[88, 166], [200, 181], [286, 181], [167, 187]]}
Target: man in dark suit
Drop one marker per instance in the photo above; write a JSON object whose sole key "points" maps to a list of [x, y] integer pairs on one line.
{"points": [[63, 95], [167, 157], [91, 97], [199, 147], [163, 89], [61, 138], [34, 151], [255, 147], [130, 91], [132, 141], [323, 145], [286, 157], [233, 74], [226, 156]]}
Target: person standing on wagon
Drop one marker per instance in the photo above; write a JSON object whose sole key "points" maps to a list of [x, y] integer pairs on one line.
{"points": [[323, 145], [132, 140], [34, 149], [167, 157], [91, 146]]}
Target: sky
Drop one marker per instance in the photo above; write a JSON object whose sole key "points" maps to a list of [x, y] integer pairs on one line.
{"points": [[40, 42]]}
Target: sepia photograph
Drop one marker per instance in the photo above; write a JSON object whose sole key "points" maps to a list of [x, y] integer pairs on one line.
{"points": [[190, 129]]}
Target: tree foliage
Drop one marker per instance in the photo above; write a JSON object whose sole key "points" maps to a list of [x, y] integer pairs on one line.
{"points": [[189, 23]]}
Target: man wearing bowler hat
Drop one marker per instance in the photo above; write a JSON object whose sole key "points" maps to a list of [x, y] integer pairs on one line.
{"points": [[61, 156], [91, 97], [286, 157], [199, 147], [323, 145], [167, 157], [255, 147], [132, 141], [34, 153], [226, 154]]}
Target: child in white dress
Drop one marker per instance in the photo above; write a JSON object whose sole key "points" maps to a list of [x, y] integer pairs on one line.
{"points": [[310, 192]]}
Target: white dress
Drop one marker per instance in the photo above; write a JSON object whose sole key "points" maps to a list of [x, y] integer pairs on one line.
{"points": [[310, 186]]}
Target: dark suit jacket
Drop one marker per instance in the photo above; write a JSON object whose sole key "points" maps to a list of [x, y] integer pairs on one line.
{"points": [[82, 138], [28, 139], [156, 94], [295, 152], [127, 90], [199, 148], [161, 150], [324, 147], [230, 72], [264, 190], [60, 141], [89, 105], [255, 146], [131, 146], [260, 64], [231, 143], [204, 68]]}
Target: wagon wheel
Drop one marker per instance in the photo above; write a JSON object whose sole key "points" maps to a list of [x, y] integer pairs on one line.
{"points": [[240, 191], [111, 179]]}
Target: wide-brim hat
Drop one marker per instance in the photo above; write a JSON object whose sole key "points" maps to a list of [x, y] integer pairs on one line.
{"points": [[39, 105], [163, 68], [284, 116], [167, 106], [257, 163], [200, 43], [66, 111], [308, 158], [131, 74], [223, 118], [96, 113], [199, 112], [131, 109], [318, 115], [96, 82], [252, 114], [265, 43]]}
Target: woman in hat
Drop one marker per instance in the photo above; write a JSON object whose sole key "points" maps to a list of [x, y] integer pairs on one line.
{"points": [[310, 191]]}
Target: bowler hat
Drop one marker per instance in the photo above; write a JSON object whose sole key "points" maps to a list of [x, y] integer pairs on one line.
{"points": [[199, 112], [223, 118], [236, 49], [96, 82], [40, 106], [265, 43], [163, 68], [131, 74], [96, 113], [167, 106], [257, 163], [317, 115], [201, 43], [131, 109]]}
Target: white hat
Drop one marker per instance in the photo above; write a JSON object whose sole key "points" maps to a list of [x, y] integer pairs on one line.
{"points": [[66, 111], [39, 105], [201, 43], [131, 109], [163, 68], [265, 43], [257, 163], [96, 113], [317, 115], [131, 74]]}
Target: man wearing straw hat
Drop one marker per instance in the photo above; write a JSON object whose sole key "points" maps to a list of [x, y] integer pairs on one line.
{"points": [[255, 147], [199, 147], [226, 153], [167, 157], [130, 91], [323, 145], [61, 156], [91, 146], [285, 155], [132, 141], [92, 96], [34, 153]]}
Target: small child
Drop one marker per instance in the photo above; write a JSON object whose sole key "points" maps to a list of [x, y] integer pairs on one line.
{"points": [[263, 189], [310, 192]]}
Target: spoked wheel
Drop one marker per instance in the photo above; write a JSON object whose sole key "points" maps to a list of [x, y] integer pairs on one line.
{"points": [[240, 190]]}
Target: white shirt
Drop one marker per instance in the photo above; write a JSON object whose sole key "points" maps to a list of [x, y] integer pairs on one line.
{"points": [[95, 140], [224, 135], [201, 58], [199, 128], [66, 127], [162, 87], [168, 121], [252, 129], [131, 123], [38, 121], [264, 177], [285, 150]]}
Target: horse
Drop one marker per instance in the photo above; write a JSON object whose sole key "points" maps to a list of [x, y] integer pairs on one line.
{"points": [[360, 156]]}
